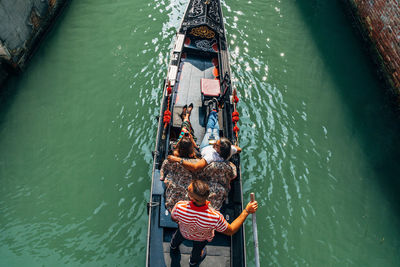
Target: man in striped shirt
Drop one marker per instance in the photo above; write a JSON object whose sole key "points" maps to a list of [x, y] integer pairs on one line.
{"points": [[197, 221]]}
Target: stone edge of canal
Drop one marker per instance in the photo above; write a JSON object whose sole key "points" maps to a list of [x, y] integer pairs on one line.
{"points": [[23, 25]]}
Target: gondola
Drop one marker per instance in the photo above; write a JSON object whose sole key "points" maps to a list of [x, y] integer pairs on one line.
{"points": [[198, 71]]}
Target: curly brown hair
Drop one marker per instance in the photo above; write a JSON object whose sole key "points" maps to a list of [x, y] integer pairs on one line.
{"points": [[185, 147]]}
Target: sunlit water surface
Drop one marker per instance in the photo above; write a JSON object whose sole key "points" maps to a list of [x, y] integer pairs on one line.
{"points": [[78, 127]]}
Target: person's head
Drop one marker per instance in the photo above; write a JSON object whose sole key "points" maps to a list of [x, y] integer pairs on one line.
{"points": [[185, 147], [198, 191], [223, 147]]}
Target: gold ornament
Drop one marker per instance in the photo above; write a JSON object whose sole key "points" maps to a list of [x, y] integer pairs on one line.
{"points": [[202, 31]]}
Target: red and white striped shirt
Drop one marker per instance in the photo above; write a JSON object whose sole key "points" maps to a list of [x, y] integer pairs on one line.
{"points": [[198, 223]]}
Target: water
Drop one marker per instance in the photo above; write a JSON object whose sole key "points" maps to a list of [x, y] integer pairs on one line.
{"points": [[77, 130]]}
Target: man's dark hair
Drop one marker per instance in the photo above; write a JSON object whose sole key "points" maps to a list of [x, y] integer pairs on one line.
{"points": [[200, 188], [185, 147], [225, 148]]}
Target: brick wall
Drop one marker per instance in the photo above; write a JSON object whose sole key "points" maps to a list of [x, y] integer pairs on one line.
{"points": [[379, 23]]}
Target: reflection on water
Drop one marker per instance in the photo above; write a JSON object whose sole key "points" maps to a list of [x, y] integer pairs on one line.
{"points": [[77, 130]]}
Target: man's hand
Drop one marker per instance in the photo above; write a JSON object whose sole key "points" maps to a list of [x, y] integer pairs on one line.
{"points": [[252, 206], [173, 159], [232, 228]]}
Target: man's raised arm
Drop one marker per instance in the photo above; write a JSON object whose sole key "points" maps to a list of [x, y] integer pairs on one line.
{"points": [[194, 167]]}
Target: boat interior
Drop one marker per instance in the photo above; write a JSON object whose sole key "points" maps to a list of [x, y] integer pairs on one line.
{"points": [[196, 68], [197, 80]]}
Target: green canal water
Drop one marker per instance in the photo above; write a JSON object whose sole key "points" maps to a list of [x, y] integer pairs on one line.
{"points": [[77, 129]]}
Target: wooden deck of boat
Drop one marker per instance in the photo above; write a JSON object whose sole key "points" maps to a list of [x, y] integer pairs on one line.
{"points": [[191, 70], [217, 256], [218, 251]]}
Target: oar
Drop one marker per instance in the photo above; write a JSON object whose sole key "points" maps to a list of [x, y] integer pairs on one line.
{"points": [[255, 235]]}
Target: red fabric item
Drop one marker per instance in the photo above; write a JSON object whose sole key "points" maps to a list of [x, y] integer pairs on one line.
{"points": [[235, 116], [215, 72], [187, 41], [236, 99], [215, 61], [215, 47], [210, 87], [236, 129], [167, 119]]}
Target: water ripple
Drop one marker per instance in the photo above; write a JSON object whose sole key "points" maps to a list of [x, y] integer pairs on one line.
{"points": [[75, 150]]}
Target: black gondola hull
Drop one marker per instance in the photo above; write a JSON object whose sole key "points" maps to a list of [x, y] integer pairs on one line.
{"points": [[200, 52]]}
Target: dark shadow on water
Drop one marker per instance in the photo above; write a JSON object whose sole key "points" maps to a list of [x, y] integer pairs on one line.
{"points": [[374, 121], [8, 94]]}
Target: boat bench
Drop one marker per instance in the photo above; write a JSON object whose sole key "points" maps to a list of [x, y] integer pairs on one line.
{"points": [[205, 45], [165, 216], [158, 189]]}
